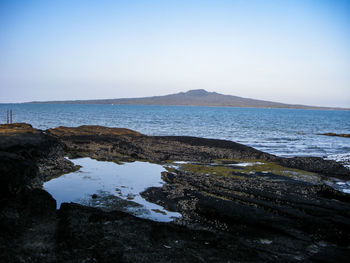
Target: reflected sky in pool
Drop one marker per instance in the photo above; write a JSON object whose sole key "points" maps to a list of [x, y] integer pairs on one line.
{"points": [[120, 183]]}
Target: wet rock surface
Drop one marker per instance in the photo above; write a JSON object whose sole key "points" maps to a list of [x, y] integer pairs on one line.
{"points": [[122, 144], [230, 213], [262, 205]]}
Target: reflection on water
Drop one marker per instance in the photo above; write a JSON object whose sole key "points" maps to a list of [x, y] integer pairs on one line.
{"points": [[111, 186]]}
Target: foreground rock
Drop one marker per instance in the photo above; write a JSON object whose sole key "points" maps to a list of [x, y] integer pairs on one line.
{"points": [[231, 213], [271, 213], [46, 153]]}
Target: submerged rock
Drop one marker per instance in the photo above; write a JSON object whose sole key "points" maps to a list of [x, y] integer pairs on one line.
{"points": [[335, 134]]}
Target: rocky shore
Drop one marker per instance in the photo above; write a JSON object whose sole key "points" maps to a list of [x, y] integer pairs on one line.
{"points": [[272, 209]]}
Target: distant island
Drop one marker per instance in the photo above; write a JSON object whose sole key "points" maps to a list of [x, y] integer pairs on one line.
{"points": [[197, 97]]}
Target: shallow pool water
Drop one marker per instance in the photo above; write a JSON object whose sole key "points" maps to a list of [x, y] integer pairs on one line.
{"points": [[111, 186]]}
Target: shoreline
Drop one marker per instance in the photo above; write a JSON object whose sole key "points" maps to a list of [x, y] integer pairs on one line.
{"points": [[321, 108], [280, 132]]}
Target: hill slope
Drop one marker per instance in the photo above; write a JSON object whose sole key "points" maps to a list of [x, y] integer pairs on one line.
{"points": [[197, 97]]}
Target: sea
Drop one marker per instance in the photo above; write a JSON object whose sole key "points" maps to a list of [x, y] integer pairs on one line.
{"points": [[283, 132], [111, 186]]}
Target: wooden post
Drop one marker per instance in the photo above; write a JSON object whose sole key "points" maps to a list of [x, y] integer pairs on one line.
{"points": [[11, 116]]}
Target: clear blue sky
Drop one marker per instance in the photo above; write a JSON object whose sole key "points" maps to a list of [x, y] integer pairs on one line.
{"points": [[287, 51]]}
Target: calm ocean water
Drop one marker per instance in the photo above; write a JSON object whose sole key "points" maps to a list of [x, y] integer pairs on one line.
{"points": [[284, 132]]}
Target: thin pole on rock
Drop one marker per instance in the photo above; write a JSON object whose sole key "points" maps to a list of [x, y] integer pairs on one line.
{"points": [[11, 116]]}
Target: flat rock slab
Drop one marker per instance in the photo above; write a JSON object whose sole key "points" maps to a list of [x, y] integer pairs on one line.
{"points": [[112, 144]]}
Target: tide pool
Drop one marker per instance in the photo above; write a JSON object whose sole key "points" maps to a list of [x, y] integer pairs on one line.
{"points": [[111, 186]]}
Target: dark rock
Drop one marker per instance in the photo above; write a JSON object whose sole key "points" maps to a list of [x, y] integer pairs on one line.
{"points": [[317, 165], [38, 203], [335, 134], [299, 215], [15, 173], [119, 237], [236, 217], [45, 151], [104, 143]]}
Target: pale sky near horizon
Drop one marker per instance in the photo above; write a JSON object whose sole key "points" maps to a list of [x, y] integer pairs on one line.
{"points": [[287, 51]]}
